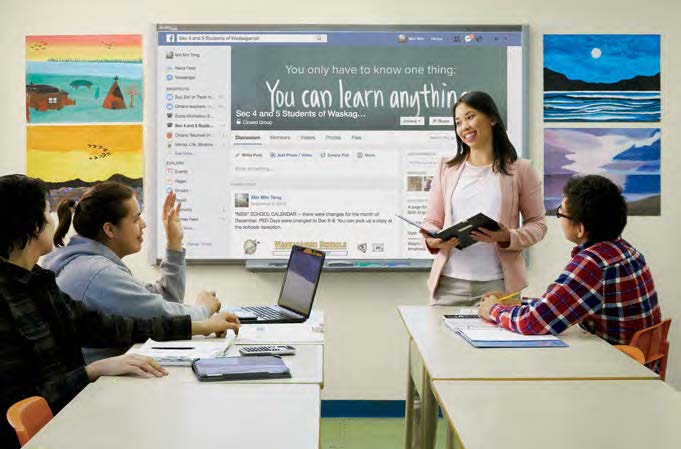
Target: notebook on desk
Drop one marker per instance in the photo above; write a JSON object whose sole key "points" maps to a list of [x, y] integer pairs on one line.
{"points": [[456, 322], [184, 352], [297, 291], [495, 337]]}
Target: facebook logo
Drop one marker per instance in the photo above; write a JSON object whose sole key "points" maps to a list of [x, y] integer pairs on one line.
{"points": [[170, 38]]}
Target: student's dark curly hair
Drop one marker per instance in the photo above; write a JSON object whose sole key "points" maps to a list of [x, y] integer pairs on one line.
{"points": [[597, 203], [23, 200]]}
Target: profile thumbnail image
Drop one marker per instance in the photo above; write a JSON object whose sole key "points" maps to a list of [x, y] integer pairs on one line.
{"points": [[414, 183], [419, 183], [241, 199]]}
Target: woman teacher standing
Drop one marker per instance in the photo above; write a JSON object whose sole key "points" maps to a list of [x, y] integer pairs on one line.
{"points": [[485, 176]]}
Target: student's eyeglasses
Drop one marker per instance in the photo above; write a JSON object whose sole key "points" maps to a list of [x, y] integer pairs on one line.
{"points": [[562, 215]]}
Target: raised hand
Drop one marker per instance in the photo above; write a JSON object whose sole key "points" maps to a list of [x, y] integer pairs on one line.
{"points": [[172, 222]]}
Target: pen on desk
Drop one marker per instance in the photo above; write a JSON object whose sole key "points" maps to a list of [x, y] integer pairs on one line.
{"points": [[173, 347]]}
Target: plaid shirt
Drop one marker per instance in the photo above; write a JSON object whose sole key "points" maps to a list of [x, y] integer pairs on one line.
{"points": [[41, 334], [607, 288]]}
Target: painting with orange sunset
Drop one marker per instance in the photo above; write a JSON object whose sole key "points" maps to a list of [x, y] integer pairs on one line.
{"points": [[72, 158], [92, 47]]}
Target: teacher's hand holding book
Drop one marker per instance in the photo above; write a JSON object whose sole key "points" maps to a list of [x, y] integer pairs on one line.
{"points": [[436, 243], [503, 235]]}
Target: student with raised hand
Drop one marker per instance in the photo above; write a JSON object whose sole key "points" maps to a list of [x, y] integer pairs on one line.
{"points": [[109, 226], [485, 176], [42, 329], [606, 287]]}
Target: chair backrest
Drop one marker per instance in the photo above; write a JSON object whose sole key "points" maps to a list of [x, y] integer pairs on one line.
{"points": [[652, 341], [28, 416], [633, 352]]}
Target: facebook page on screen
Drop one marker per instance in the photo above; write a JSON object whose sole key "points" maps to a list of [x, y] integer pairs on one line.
{"points": [[316, 137]]}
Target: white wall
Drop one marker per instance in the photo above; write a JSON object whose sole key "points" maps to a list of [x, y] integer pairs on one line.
{"points": [[366, 343]]}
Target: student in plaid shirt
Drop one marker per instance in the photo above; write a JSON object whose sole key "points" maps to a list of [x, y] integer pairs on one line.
{"points": [[606, 288], [42, 329]]}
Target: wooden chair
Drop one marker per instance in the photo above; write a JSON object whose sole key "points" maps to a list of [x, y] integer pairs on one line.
{"points": [[633, 352], [28, 416], [652, 341]]}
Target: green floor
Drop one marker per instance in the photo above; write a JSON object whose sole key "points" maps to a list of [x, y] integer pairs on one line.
{"points": [[369, 433]]}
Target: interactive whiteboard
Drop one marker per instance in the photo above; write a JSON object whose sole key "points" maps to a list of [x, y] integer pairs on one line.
{"points": [[318, 135]]}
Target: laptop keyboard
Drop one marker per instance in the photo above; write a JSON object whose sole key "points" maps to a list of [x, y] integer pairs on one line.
{"points": [[266, 312]]}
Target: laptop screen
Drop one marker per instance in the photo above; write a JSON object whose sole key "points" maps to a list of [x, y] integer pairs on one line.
{"points": [[301, 279]]}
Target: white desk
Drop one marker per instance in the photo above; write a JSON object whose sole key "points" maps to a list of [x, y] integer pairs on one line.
{"points": [[307, 367], [148, 415], [178, 411], [446, 355], [621, 414]]}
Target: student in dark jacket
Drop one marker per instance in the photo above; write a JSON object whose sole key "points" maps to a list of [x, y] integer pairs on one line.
{"points": [[42, 329]]}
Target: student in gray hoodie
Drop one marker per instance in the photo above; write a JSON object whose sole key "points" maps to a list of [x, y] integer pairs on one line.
{"points": [[89, 268]]}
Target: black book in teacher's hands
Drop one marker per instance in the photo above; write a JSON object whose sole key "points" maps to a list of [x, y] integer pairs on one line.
{"points": [[461, 230]]}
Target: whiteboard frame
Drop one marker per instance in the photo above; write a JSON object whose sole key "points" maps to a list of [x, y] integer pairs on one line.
{"points": [[266, 265]]}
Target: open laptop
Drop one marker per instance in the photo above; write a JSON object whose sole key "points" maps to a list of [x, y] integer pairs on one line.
{"points": [[297, 291]]}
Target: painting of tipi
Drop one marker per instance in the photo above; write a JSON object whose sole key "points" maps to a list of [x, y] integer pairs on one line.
{"points": [[630, 157], [84, 79], [601, 78]]}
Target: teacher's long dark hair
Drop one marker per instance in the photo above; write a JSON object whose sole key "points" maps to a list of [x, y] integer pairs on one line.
{"points": [[503, 150]]}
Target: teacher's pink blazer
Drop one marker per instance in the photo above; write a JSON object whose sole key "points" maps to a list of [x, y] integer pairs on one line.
{"points": [[520, 194]]}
